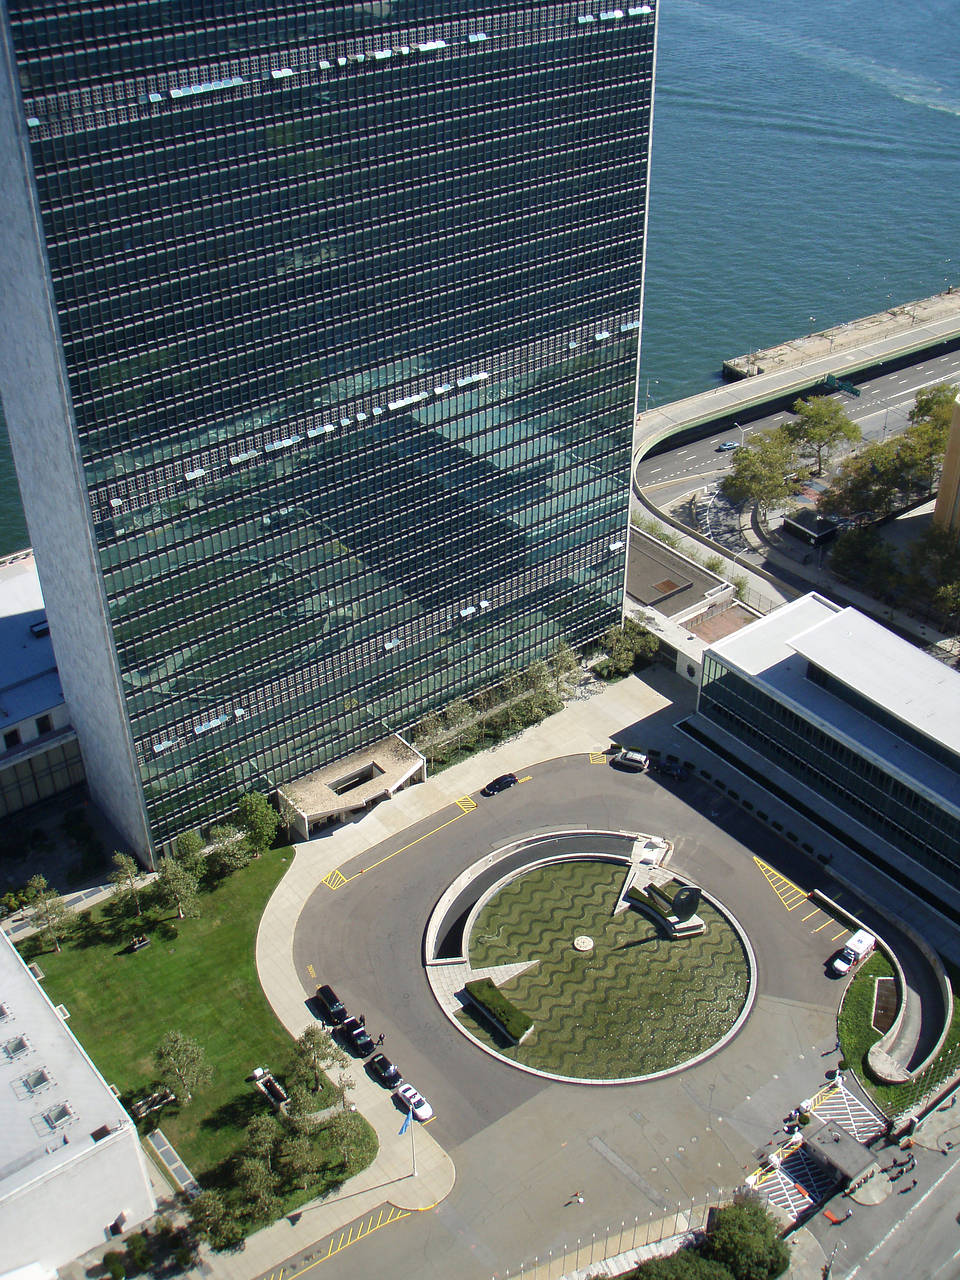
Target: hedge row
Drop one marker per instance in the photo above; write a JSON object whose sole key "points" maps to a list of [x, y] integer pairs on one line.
{"points": [[491, 999]]}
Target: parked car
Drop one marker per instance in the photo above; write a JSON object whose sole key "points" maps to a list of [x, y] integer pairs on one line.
{"points": [[726, 445], [385, 1071], [331, 1006], [503, 783], [414, 1101], [357, 1038], [635, 761], [669, 769]]}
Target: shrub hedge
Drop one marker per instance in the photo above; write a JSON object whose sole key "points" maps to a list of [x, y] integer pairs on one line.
{"points": [[491, 999]]}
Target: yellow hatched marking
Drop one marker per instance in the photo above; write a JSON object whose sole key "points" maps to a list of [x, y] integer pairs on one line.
{"points": [[312, 972], [598, 757], [467, 804], [335, 879], [790, 894], [358, 1231]]}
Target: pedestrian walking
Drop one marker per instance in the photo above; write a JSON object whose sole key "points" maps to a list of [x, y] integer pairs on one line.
{"points": [[903, 1190], [380, 1038], [578, 1196], [362, 1019], [849, 1215]]}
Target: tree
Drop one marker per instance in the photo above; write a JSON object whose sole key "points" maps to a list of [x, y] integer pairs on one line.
{"points": [[188, 851], [125, 875], [229, 849], [53, 919], [861, 556], [687, 1264], [211, 1220], [929, 429], [766, 471], [257, 1186], [872, 482], [563, 662], [314, 1053], [258, 818], [176, 886], [819, 429], [260, 1138], [299, 1159], [181, 1064], [745, 1240]]}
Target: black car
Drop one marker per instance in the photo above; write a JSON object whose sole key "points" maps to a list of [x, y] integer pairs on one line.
{"points": [[503, 783], [669, 769], [331, 1006], [355, 1035], [388, 1075]]}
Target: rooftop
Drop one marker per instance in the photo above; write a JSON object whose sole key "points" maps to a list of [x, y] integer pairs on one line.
{"points": [[29, 682], [666, 580], [884, 670], [54, 1104], [354, 782]]}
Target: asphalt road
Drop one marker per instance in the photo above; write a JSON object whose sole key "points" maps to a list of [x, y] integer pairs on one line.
{"points": [[881, 410], [520, 1145]]}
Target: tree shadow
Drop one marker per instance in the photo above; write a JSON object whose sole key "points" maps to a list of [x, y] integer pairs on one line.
{"points": [[236, 1112]]}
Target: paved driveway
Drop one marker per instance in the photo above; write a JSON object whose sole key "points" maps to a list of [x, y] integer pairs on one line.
{"points": [[521, 1145]]}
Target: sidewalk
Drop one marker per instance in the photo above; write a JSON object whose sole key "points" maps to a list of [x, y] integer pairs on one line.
{"points": [[586, 724]]}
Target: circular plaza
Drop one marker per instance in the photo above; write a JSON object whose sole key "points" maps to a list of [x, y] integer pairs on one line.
{"points": [[558, 956]]}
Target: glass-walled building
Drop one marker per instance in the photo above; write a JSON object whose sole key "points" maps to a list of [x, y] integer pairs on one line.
{"points": [[338, 316], [850, 720]]}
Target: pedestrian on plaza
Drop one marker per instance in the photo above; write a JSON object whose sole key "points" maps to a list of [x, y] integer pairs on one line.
{"points": [[362, 1019], [849, 1215], [380, 1038], [578, 1196], [904, 1190]]}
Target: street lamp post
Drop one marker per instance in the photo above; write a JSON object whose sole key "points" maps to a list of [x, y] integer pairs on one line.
{"points": [[742, 433]]}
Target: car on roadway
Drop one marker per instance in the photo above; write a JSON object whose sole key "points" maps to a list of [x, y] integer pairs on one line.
{"points": [[331, 1006], [388, 1075], [357, 1038], [503, 783], [414, 1101], [635, 761], [669, 769], [725, 446]]}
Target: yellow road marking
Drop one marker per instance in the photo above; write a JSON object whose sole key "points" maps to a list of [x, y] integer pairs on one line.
{"points": [[336, 879], [810, 915], [311, 971], [838, 935], [374, 1222], [598, 757], [824, 925], [467, 804], [528, 778], [790, 894]]}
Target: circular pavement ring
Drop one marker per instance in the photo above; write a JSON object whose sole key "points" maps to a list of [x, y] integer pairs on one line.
{"points": [[437, 969]]}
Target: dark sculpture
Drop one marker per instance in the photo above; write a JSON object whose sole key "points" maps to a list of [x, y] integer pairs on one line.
{"points": [[685, 902]]}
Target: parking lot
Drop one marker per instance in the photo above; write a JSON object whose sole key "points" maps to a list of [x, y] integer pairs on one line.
{"points": [[519, 1143]]}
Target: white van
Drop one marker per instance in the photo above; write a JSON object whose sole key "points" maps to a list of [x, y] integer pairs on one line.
{"points": [[856, 947]]}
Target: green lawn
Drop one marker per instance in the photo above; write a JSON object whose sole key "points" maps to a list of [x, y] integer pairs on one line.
{"points": [[198, 976], [857, 1034], [636, 1004]]}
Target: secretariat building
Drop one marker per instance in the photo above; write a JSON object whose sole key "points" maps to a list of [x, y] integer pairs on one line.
{"points": [[318, 355]]}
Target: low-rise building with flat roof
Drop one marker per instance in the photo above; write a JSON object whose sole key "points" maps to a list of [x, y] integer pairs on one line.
{"points": [[39, 752], [72, 1171], [860, 728]]}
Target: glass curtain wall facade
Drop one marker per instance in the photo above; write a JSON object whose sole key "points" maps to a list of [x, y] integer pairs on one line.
{"points": [[350, 301], [884, 803]]}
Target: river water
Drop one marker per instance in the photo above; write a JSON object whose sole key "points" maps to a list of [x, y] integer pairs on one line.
{"points": [[806, 171]]}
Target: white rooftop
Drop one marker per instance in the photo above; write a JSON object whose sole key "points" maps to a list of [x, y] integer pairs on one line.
{"points": [[54, 1104], [888, 672], [29, 682]]}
